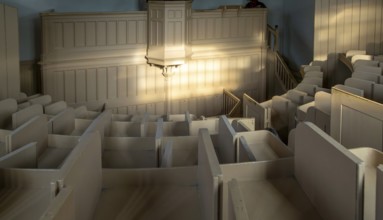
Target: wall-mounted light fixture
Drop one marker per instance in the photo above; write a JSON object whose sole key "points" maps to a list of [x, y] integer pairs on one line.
{"points": [[168, 30]]}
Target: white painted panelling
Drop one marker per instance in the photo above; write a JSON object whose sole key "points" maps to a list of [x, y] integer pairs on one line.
{"points": [[342, 25], [94, 59], [9, 53]]}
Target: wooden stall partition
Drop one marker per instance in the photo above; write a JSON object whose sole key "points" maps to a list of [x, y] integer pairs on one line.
{"points": [[356, 121], [7, 108], [209, 177], [329, 174], [22, 116]]}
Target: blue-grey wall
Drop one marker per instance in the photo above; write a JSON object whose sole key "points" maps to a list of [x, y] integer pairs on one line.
{"points": [[295, 19]]}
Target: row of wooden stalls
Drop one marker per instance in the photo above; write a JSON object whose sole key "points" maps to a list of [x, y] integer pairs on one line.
{"points": [[59, 162]]}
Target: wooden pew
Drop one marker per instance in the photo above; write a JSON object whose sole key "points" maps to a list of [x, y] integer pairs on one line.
{"points": [[252, 109], [184, 150], [236, 205], [379, 193], [356, 121], [330, 175], [55, 108], [371, 158], [34, 190], [7, 108], [22, 116], [170, 193]]}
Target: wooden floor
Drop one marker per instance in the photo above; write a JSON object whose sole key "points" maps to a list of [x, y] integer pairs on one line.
{"points": [[147, 203], [277, 199]]}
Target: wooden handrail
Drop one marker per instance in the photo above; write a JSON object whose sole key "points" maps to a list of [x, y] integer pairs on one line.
{"points": [[284, 73], [273, 32], [231, 103]]}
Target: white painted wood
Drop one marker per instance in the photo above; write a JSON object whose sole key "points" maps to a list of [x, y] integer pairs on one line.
{"points": [[282, 115], [55, 108], [372, 158], [35, 129], [82, 171], [97, 71], [167, 155], [377, 94], [41, 100], [7, 108], [253, 173], [264, 145], [307, 88], [63, 123], [313, 74], [244, 152], [371, 63], [366, 76], [369, 69], [318, 81], [361, 57], [379, 192], [236, 202], [355, 121], [211, 124], [351, 53], [184, 150], [209, 176], [309, 68], [226, 149], [302, 111], [349, 89], [252, 108], [24, 157], [342, 26], [126, 187], [130, 152], [366, 86], [335, 187], [9, 56], [61, 207], [22, 116]]}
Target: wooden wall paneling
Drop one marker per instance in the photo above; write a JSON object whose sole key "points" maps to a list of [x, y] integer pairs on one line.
{"points": [[3, 67], [80, 86], [111, 33], [347, 24], [12, 50], [122, 82], [102, 83], [70, 86], [225, 31], [378, 28], [334, 39], [122, 31], [160, 108], [371, 27], [112, 82], [233, 27], [132, 81], [90, 34], [59, 88], [79, 30], [101, 33], [58, 39], [142, 79], [151, 81], [91, 84], [68, 35], [141, 32], [355, 28]]}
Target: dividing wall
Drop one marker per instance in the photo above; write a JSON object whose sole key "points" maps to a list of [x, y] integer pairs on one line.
{"points": [[96, 58]]}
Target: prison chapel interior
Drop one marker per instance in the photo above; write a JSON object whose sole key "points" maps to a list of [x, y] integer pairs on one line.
{"points": [[166, 109]]}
